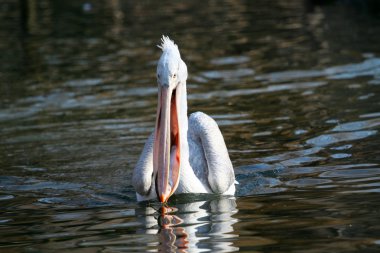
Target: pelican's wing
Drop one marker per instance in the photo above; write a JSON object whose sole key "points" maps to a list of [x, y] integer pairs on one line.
{"points": [[143, 172], [206, 132]]}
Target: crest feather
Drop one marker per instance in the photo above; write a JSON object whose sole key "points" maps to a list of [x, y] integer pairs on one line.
{"points": [[167, 44]]}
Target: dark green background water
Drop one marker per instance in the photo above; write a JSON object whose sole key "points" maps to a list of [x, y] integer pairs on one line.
{"points": [[294, 87]]}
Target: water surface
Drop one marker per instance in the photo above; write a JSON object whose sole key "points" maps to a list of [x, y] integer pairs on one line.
{"points": [[293, 86]]}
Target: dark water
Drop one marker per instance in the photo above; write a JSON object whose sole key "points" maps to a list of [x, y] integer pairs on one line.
{"points": [[294, 87]]}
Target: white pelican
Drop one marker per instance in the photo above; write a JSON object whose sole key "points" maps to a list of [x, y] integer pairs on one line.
{"points": [[182, 155]]}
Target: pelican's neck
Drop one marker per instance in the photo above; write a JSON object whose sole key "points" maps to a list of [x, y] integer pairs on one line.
{"points": [[184, 125], [188, 180]]}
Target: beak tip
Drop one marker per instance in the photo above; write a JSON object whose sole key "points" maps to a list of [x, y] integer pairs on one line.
{"points": [[163, 198]]}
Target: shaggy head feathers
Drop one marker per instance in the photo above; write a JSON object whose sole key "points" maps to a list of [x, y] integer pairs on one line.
{"points": [[167, 45], [170, 68]]}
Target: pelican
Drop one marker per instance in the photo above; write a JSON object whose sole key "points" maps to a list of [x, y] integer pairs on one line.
{"points": [[182, 155]]}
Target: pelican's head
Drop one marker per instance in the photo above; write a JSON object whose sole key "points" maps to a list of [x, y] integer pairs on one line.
{"points": [[171, 70], [171, 74]]}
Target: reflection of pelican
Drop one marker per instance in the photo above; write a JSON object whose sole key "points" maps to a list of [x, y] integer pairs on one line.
{"points": [[187, 155], [193, 227]]}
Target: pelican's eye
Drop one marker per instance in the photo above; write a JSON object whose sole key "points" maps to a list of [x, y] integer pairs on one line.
{"points": [[174, 75]]}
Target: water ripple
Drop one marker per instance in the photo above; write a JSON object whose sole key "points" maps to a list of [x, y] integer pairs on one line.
{"points": [[228, 74], [308, 182], [369, 67], [370, 115], [11, 183], [267, 89], [340, 155], [290, 155], [352, 173], [230, 60], [83, 82], [357, 125], [328, 139]]}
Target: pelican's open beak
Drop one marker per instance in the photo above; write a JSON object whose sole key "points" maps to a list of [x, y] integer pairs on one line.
{"points": [[166, 151]]}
